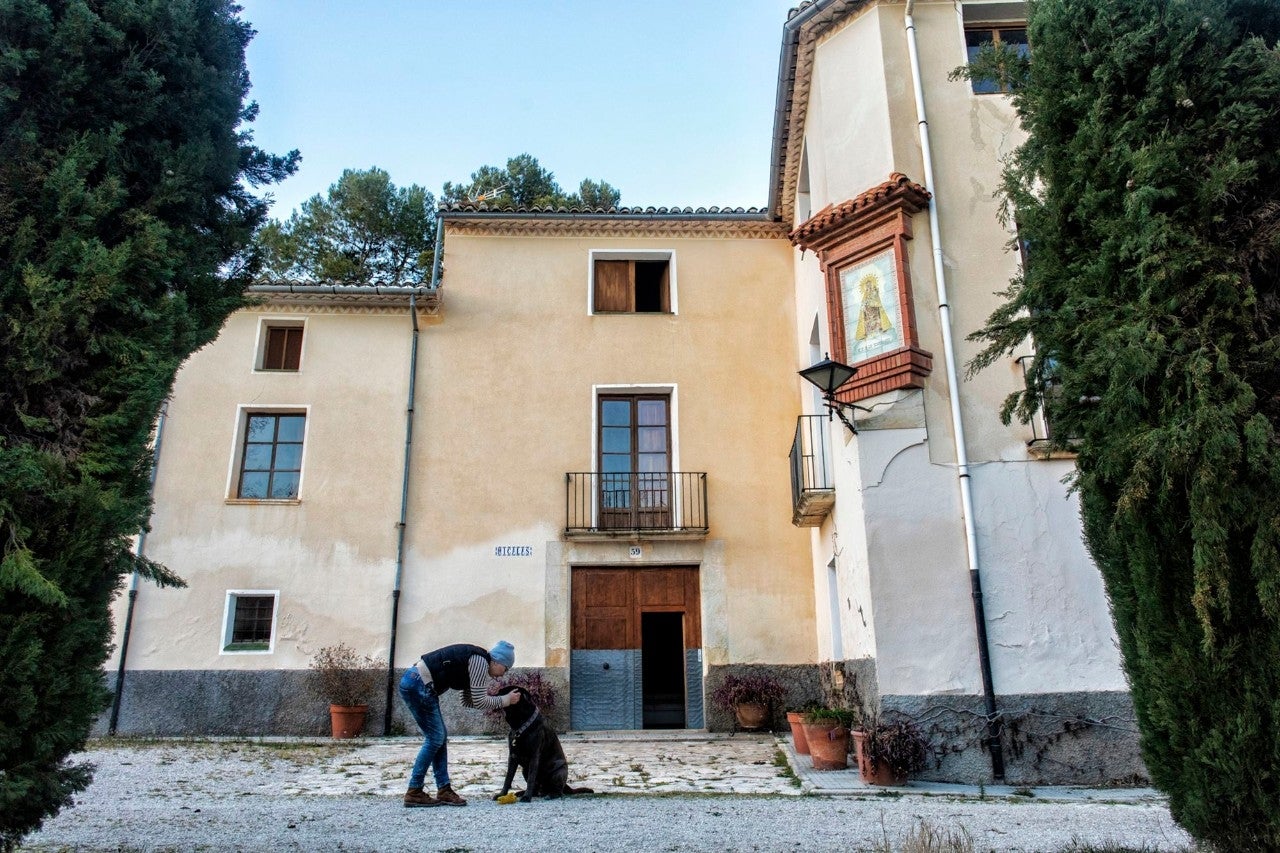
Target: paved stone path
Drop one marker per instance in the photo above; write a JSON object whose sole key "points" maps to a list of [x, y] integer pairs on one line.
{"points": [[660, 791]]}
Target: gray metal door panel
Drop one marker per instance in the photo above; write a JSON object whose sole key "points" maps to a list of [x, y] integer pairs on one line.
{"points": [[693, 688], [605, 689]]}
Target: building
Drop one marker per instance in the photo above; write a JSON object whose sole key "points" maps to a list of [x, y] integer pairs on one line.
{"points": [[593, 461]]}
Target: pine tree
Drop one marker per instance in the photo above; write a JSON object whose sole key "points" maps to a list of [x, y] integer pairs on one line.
{"points": [[123, 215], [366, 230], [1149, 194]]}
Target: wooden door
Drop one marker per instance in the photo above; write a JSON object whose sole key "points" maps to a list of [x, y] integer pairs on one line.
{"points": [[607, 680]]}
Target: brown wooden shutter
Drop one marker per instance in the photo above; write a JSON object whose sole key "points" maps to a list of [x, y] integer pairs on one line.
{"points": [[615, 289], [666, 288], [284, 348]]}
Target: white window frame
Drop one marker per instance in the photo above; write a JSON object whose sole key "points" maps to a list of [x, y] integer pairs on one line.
{"points": [[229, 617], [237, 450], [668, 388], [593, 255], [260, 344]]}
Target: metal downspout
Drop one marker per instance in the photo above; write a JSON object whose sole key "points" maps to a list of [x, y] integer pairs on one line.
{"points": [[957, 424], [139, 549], [404, 481]]}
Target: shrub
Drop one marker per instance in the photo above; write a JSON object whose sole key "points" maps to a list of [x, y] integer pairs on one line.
{"points": [[541, 691], [846, 717], [755, 688], [900, 746], [343, 676]]}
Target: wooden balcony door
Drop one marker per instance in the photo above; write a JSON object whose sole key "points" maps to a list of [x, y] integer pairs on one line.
{"points": [[635, 462]]}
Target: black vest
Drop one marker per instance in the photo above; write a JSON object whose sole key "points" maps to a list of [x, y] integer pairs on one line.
{"points": [[449, 666]]}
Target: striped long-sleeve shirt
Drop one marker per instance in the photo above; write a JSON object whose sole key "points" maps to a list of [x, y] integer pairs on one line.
{"points": [[475, 694]]}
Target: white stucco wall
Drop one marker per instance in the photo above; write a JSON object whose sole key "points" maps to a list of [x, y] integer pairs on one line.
{"points": [[897, 515]]}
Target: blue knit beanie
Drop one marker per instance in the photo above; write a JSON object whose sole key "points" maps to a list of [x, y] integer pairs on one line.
{"points": [[503, 653]]}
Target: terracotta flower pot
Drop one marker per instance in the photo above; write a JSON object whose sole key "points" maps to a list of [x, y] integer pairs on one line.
{"points": [[347, 720], [796, 721], [877, 773], [828, 745], [751, 715]]}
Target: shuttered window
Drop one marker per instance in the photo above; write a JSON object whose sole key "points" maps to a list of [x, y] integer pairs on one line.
{"points": [[284, 348], [632, 286]]}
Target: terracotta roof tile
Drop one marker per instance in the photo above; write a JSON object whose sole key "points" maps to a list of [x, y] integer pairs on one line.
{"points": [[899, 186]]}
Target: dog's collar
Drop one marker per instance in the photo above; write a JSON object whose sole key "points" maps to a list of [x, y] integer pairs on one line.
{"points": [[515, 733]]}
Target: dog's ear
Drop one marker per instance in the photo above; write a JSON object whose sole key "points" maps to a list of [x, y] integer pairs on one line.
{"points": [[525, 694], [505, 690]]}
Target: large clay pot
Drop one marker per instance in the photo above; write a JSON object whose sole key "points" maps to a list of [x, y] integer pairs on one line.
{"points": [[751, 715], [347, 720], [877, 774], [828, 745], [796, 720]]}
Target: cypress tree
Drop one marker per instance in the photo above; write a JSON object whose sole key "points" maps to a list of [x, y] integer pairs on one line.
{"points": [[125, 204], [1149, 194]]}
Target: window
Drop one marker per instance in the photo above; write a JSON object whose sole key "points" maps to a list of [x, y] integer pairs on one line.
{"points": [[280, 345], [249, 621], [1013, 35], [631, 283], [271, 458], [635, 461]]}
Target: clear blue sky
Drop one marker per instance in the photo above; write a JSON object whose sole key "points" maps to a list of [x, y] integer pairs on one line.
{"points": [[671, 102]]}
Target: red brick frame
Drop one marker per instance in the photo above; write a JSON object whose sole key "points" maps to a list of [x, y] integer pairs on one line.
{"points": [[846, 234]]}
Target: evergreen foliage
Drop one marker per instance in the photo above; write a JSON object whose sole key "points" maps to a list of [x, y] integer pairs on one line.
{"points": [[1149, 194], [524, 183], [365, 231], [123, 213]]}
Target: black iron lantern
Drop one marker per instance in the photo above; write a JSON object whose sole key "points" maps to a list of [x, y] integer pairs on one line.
{"points": [[829, 377]]}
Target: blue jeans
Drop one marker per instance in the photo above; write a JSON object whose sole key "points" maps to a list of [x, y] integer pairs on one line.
{"points": [[425, 707]]}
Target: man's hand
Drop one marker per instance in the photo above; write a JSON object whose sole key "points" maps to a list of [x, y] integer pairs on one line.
{"points": [[511, 698]]}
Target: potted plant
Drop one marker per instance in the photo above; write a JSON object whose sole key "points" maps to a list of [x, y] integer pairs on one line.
{"points": [[826, 729], [889, 752], [346, 679], [795, 719], [748, 697]]}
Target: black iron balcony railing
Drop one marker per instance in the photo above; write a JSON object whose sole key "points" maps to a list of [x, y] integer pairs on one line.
{"points": [[631, 502], [812, 492]]}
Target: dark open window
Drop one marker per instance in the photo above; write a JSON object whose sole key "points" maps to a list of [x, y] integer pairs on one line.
{"points": [[284, 348], [271, 462], [635, 461], [251, 620], [1013, 36], [632, 286]]}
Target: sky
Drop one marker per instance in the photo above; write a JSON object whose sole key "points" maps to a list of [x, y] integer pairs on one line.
{"points": [[671, 101]]}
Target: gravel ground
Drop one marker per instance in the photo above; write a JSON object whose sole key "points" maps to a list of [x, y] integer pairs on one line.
{"points": [[234, 795]]}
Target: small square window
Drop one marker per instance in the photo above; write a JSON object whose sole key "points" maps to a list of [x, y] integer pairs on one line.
{"points": [[1013, 36], [271, 456], [281, 346], [250, 621], [636, 284]]}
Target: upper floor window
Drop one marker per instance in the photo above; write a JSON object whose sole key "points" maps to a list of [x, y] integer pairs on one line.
{"points": [[631, 282], [281, 347], [271, 461], [1013, 36]]}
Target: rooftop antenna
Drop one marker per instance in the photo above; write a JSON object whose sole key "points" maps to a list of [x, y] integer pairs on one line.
{"points": [[491, 194]]}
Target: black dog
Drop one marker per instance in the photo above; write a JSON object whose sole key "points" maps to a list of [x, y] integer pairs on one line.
{"points": [[534, 747]]}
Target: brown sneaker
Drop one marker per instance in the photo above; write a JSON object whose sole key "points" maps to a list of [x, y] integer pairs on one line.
{"points": [[446, 796], [416, 798]]}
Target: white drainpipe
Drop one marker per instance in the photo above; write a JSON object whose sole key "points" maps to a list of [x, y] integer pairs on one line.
{"points": [[953, 388]]}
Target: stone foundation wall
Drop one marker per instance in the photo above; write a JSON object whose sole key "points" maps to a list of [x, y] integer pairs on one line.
{"points": [[1087, 738], [168, 703]]}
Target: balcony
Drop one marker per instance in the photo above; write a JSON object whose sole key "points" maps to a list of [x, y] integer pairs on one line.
{"points": [[628, 503], [812, 491]]}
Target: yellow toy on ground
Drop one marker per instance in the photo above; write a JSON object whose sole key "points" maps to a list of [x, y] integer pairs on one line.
{"points": [[507, 799]]}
